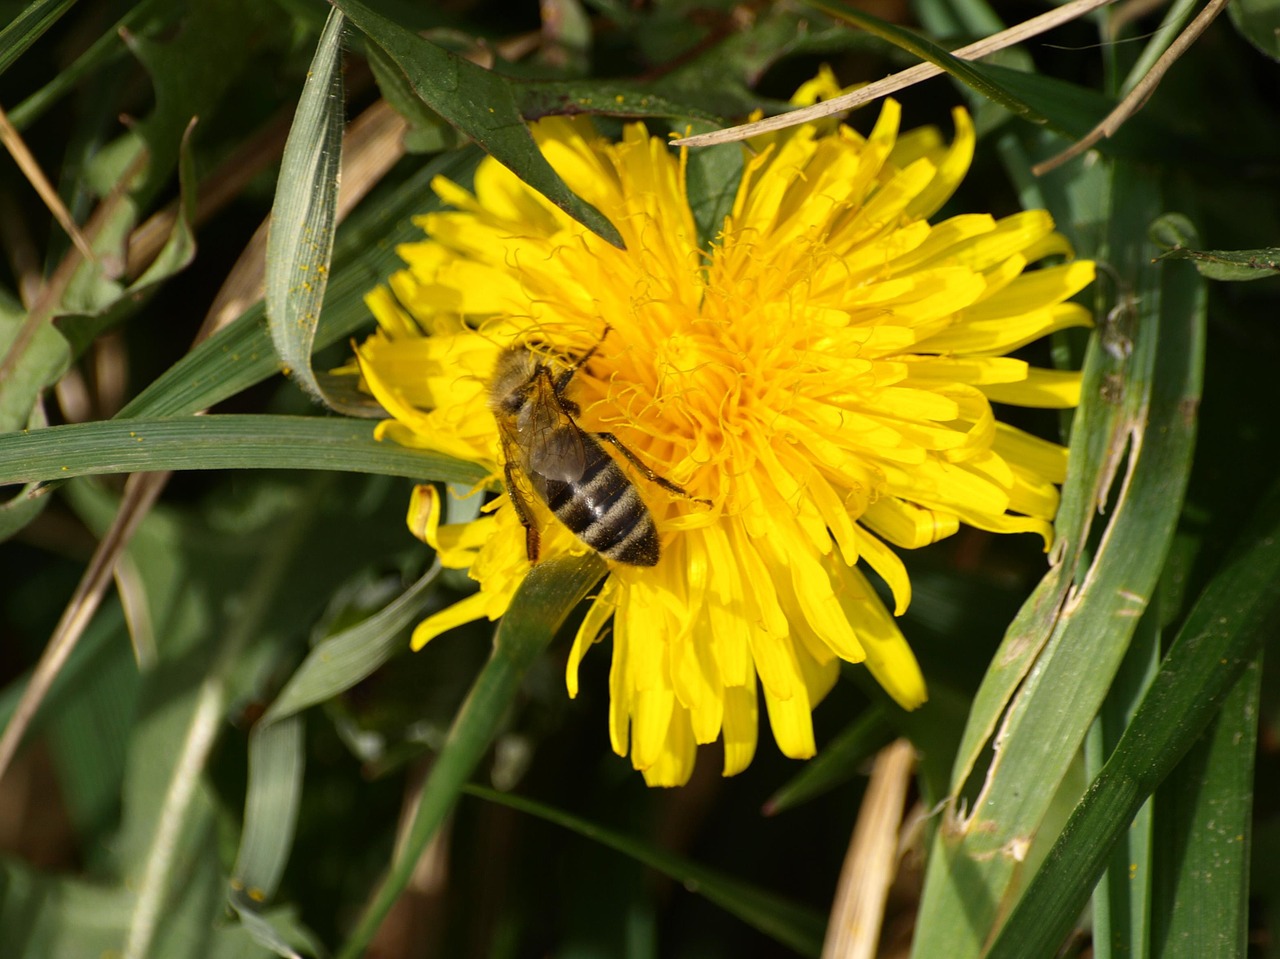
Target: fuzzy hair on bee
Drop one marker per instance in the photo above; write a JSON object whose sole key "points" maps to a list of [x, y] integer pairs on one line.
{"points": [[547, 453]]}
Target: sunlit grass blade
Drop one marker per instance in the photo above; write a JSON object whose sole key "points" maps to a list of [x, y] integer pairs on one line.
{"points": [[790, 924], [548, 594], [1237, 612], [1151, 380], [478, 102], [218, 442], [300, 244]]}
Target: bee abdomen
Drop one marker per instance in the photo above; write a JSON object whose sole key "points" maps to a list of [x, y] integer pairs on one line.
{"points": [[604, 511]]}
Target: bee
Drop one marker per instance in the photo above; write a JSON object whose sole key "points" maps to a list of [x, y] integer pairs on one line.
{"points": [[565, 466]]}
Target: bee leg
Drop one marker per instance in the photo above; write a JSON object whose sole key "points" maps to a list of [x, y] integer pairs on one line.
{"points": [[647, 471], [561, 382], [532, 539]]}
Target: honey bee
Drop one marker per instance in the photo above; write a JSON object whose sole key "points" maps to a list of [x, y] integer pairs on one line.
{"points": [[565, 466]]}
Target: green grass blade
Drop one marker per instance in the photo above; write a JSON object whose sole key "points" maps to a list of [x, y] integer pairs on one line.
{"points": [[977, 860], [300, 243], [551, 590], [276, 766], [1203, 849], [791, 924], [218, 442], [478, 102], [1237, 612], [1122, 899], [350, 656], [28, 27]]}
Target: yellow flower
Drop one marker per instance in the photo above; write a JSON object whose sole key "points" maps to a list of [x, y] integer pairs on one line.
{"points": [[821, 375]]}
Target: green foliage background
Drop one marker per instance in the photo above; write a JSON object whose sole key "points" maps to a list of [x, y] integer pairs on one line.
{"points": [[234, 753]]}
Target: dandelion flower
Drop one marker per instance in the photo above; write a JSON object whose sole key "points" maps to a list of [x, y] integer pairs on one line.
{"points": [[821, 375]]}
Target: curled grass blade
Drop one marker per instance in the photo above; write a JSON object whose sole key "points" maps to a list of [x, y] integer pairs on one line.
{"points": [[786, 922], [548, 594], [300, 242], [1235, 615]]}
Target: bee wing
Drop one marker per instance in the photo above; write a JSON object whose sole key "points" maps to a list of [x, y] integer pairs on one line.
{"points": [[555, 449]]}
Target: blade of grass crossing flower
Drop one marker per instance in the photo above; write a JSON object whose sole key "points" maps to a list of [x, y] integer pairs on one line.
{"points": [[971, 75], [1122, 899], [481, 104], [543, 601], [241, 354], [1051, 713], [1213, 654], [791, 924], [218, 442], [1203, 846], [28, 27], [837, 763], [300, 244]]}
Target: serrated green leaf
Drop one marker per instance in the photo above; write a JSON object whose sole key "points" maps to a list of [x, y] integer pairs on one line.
{"points": [[218, 442], [428, 132], [1237, 612], [545, 598], [1229, 265], [481, 104], [786, 922]]}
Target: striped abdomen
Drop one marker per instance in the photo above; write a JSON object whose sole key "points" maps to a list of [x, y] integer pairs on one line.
{"points": [[604, 510]]}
